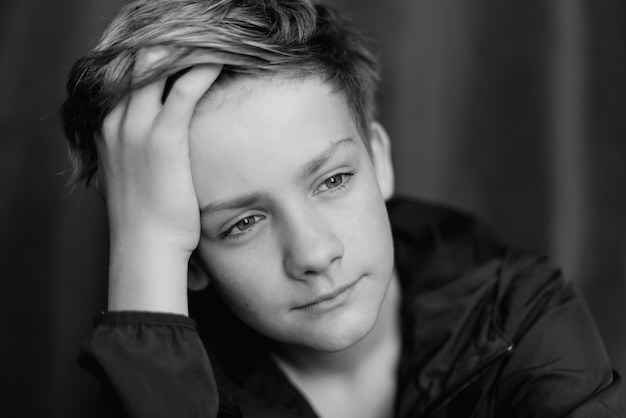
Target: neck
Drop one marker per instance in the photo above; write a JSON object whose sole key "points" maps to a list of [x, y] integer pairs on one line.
{"points": [[382, 340]]}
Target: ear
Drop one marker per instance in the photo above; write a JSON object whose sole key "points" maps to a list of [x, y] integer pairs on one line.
{"points": [[197, 277], [380, 147]]}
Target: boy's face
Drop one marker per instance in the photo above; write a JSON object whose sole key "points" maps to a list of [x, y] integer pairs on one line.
{"points": [[295, 232]]}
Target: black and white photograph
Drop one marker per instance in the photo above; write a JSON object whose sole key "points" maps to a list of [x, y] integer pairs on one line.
{"points": [[313, 208]]}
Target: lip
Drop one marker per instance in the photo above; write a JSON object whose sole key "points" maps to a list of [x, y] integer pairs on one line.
{"points": [[328, 299]]}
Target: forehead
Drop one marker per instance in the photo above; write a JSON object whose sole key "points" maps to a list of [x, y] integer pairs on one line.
{"points": [[271, 111], [251, 132], [245, 89]]}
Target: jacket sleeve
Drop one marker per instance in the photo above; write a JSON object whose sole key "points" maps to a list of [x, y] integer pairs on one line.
{"points": [[559, 367], [150, 365]]}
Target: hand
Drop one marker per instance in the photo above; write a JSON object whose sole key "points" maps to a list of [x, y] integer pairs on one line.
{"points": [[145, 176]]}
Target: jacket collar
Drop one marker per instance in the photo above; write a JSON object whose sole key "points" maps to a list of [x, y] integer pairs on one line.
{"points": [[449, 266]]}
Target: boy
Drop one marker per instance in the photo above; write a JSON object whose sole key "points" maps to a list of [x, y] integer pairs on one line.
{"points": [[236, 147]]}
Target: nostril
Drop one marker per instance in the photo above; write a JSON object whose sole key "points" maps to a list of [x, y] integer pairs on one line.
{"points": [[309, 274]]}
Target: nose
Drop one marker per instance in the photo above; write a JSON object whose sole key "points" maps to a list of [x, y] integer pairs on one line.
{"points": [[311, 245]]}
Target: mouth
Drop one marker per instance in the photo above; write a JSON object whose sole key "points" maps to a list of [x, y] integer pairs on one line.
{"points": [[331, 299]]}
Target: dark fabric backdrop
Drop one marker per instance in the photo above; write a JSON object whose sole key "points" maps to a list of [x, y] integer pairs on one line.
{"points": [[514, 111]]}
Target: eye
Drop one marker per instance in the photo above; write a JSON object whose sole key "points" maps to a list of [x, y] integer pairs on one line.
{"points": [[242, 226], [245, 223], [335, 182]]}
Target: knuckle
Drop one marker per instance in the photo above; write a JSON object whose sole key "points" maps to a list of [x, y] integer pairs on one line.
{"points": [[147, 57], [183, 89], [155, 54]]}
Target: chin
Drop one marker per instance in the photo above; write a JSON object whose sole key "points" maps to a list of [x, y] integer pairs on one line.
{"points": [[341, 333]]}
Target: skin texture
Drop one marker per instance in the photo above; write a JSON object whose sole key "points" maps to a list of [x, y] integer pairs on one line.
{"points": [[292, 210]]}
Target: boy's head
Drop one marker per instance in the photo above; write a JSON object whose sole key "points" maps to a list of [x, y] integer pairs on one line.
{"points": [[290, 38], [290, 169], [293, 210]]}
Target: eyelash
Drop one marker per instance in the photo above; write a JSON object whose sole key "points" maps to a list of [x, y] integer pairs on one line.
{"points": [[228, 234], [346, 179]]}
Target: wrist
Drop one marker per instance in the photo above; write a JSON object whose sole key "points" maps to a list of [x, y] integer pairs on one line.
{"points": [[147, 276]]}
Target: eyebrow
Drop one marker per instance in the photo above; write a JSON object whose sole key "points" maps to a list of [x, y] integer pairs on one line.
{"points": [[316, 163], [236, 203], [250, 200]]}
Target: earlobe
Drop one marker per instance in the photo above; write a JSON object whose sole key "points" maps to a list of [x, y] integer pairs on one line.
{"points": [[197, 278], [381, 157]]}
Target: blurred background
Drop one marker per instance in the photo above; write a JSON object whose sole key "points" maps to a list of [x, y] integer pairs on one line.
{"points": [[512, 110]]}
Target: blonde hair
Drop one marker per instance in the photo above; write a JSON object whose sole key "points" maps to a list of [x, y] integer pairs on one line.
{"points": [[294, 38]]}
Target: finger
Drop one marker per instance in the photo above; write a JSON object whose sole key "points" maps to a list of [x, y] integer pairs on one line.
{"points": [[144, 103], [111, 125], [181, 102], [170, 82]]}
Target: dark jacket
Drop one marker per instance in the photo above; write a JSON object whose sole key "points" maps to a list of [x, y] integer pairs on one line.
{"points": [[487, 331]]}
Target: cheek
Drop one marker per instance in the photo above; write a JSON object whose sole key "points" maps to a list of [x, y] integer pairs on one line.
{"points": [[245, 278], [369, 217], [369, 231]]}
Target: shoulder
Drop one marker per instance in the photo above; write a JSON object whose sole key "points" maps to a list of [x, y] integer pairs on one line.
{"points": [[420, 221], [450, 255], [439, 229], [470, 299], [436, 245]]}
